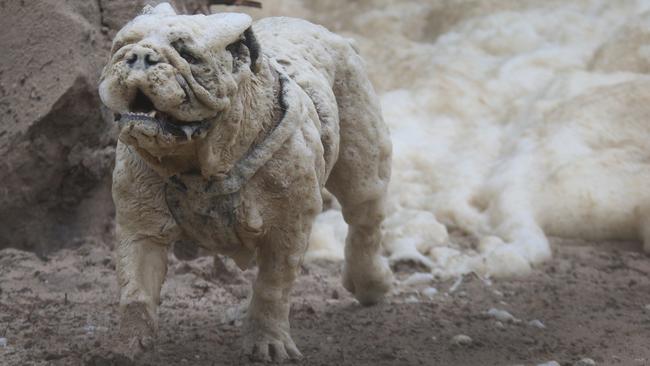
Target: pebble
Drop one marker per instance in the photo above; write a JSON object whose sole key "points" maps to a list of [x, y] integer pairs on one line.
{"points": [[461, 340], [418, 278], [234, 315], [456, 285], [537, 324], [647, 308], [586, 362], [90, 329], [502, 315], [430, 292], [411, 300], [3, 342], [549, 363]]}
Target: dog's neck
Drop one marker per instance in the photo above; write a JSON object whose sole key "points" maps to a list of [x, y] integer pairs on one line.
{"points": [[254, 111]]}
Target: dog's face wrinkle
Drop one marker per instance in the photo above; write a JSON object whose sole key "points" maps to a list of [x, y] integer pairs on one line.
{"points": [[187, 54], [186, 88]]}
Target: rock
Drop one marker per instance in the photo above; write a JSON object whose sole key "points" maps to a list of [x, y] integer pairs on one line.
{"points": [[586, 362], [418, 278], [456, 284], [411, 300], [430, 292], [537, 324], [57, 148], [502, 315], [549, 363], [461, 340], [335, 294], [57, 144]]}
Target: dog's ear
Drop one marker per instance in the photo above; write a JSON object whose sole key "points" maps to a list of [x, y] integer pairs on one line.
{"points": [[246, 50], [234, 30], [160, 9], [253, 48]]}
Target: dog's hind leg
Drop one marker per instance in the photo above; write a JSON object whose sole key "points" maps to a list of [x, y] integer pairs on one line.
{"points": [[359, 180]]}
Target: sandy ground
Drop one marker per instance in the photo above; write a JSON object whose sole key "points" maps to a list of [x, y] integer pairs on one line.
{"points": [[591, 299]]}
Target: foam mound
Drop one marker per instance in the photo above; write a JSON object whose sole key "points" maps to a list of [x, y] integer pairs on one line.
{"points": [[511, 121]]}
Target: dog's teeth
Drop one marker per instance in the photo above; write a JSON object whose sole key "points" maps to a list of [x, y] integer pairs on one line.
{"points": [[152, 114], [188, 132]]}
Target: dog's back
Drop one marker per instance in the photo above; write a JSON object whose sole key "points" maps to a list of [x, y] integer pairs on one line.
{"points": [[303, 48]]}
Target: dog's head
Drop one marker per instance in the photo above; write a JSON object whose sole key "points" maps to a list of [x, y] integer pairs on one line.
{"points": [[170, 77]]}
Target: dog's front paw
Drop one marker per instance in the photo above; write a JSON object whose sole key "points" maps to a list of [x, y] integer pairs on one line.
{"points": [[269, 343], [136, 334], [368, 281]]}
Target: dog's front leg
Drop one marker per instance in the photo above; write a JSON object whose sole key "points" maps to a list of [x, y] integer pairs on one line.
{"points": [[141, 268], [267, 335]]}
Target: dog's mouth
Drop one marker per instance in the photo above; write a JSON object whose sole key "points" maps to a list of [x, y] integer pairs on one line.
{"points": [[143, 115]]}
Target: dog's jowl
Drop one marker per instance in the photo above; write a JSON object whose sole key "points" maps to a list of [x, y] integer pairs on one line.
{"points": [[229, 131]]}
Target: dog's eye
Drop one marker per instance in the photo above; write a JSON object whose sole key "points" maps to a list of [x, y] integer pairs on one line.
{"points": [[189, 57], [234, 48]]}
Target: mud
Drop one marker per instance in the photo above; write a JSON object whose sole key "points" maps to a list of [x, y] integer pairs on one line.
{"points": [[592, 299]]}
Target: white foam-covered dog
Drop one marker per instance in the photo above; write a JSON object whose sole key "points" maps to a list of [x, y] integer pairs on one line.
{"points": [[228, 133]]}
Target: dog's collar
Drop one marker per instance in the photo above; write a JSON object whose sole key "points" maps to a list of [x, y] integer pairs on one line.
{"points": [[292, 111]]}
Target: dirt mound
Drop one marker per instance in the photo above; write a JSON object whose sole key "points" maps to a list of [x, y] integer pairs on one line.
{"points": [[57, 146], [56, 142]]}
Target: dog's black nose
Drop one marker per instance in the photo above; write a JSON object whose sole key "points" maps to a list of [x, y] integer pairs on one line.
{"points": [[142, 57]]}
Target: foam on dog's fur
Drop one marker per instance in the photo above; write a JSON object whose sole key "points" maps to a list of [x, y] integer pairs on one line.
{"points": [[510, 119]]}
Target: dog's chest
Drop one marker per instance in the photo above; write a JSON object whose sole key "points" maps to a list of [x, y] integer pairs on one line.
{"points": [[215, 221]]}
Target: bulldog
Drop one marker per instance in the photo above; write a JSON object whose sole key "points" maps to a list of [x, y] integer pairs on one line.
{"points": [[228, 133]]}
